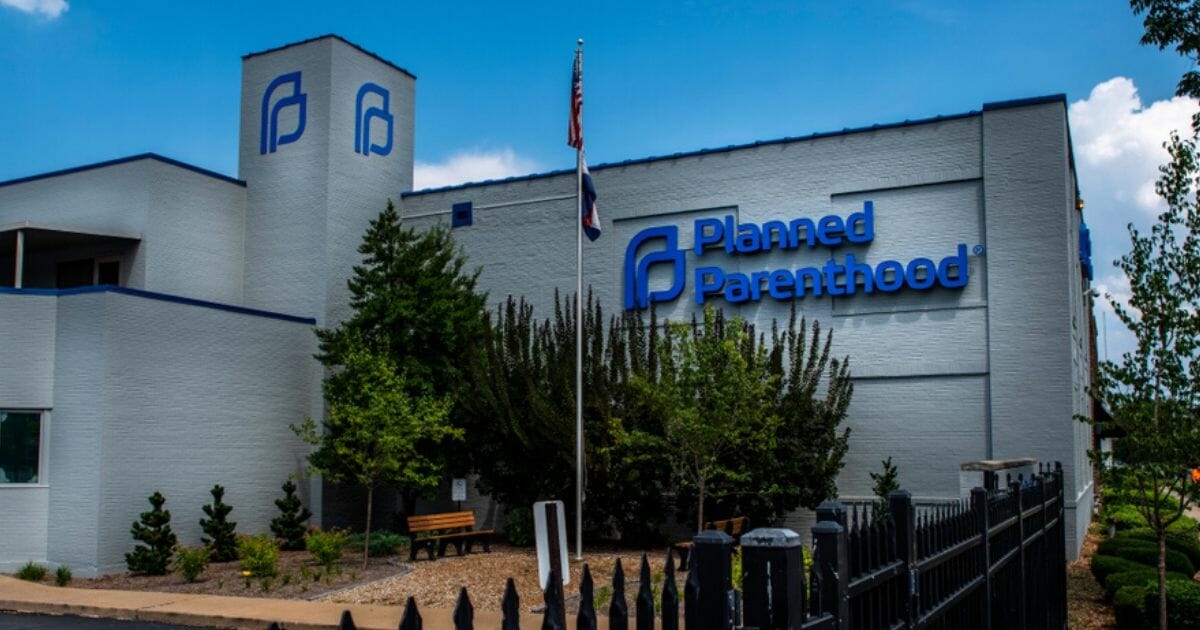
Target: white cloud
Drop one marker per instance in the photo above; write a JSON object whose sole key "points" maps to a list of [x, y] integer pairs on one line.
{"points": [[1118, 148], [471, 166], [50, 9], [1118, 141]]}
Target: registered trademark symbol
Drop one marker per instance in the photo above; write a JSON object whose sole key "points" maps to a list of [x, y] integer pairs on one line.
{"points": [[978, 249]]}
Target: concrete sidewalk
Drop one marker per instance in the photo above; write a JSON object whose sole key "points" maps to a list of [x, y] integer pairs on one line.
{"points": [[219, 611]]}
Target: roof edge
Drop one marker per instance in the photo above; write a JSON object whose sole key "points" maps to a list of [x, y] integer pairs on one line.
{"points": [[164, 297], [125, 160], [1022, 102], [699, 152], [329, 36]]}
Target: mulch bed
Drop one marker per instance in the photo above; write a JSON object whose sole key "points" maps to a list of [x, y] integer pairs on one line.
{"points": [[1086, 608], [299, 578], [392, 580]]}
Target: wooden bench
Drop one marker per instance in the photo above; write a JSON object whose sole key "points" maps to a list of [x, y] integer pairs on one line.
{"points": [[735, 527], [457, 528]]}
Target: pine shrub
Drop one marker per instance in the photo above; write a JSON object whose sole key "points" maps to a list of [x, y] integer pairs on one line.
{"points": [[259, 555], [289, 526], [31, 572], [154, 530], [885, 482], [218, 529], [62, 575]]}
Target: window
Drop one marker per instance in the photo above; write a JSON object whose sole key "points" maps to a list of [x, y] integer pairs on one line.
{"points": [[20, 446]]}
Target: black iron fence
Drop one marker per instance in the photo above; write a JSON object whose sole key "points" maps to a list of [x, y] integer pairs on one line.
{"points": [[994, 561]]}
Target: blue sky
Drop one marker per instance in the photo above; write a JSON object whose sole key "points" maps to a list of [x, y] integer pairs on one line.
{"points": [[86, 81]]}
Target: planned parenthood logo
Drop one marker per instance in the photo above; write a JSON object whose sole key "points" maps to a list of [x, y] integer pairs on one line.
{"points": [[637, 272], [270, 138], [362, 121], [840, 275]]}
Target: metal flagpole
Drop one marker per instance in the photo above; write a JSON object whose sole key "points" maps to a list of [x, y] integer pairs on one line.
{"points": [[579, 327]]}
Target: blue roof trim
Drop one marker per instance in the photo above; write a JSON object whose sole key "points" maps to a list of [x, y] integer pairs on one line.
{"points": [[124, 160], [164, 297], [329, 36], [1025, 102], [1037, 100]]}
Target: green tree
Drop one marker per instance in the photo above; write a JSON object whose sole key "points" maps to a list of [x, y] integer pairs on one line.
{"points": [[289, 526], [414, 300], [154, 530], [218, 528], [376, 431], [1174, 23], [1153, 389], [716, 402]]}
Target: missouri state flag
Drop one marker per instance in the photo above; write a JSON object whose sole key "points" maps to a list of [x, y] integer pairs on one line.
{"points": [[591, 216]]}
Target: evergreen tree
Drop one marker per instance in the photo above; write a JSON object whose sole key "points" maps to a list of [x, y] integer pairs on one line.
{"points": [[221, 540], [289, 526], [414, 300], [885, 482], [154, 530]]}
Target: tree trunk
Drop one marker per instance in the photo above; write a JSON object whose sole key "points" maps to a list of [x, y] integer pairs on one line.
{"points": [[367, 536], [1162, 579], [700, 508]]}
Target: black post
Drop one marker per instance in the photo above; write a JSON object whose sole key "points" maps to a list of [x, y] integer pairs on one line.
{"points": [[832, 511], [464, 612], [586, 619], [979, 507], [411, 619], [713, 551], [644, 604], [1015, 488], [555, 617], [904, 516], [773, 579], [833, 564], [670, 596]]}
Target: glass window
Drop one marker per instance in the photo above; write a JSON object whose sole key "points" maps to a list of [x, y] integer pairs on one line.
{"points": [[20, 446]]}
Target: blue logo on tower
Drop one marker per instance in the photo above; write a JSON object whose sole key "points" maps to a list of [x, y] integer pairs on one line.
{"points": [[637, 272], [270, 138], [362, 121]]}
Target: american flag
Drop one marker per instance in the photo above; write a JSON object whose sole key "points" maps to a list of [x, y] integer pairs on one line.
{"points": [[575, 125]]}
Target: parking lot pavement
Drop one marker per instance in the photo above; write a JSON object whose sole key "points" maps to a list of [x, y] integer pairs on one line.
{"points": [[19, 621]]}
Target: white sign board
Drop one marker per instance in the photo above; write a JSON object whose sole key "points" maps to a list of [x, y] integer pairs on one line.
{"points": [[550, 530], [458, 490]]}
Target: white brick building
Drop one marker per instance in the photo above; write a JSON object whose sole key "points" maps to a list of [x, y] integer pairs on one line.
{"points": [[156, 317]]}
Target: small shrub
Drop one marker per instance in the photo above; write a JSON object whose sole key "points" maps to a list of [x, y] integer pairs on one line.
{"points": [[191, 562], [289, 527], [154, 530], [518, 527], [736, 568], [1139, 577], [1183, 604], [326, 546], [32, 572], [62, 575], [259, 555], [383, 543], [1129, 607], [221, 538], [1184, 542], [1146, 553], [1127, 517], [1103, 566]]}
